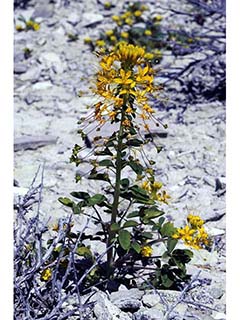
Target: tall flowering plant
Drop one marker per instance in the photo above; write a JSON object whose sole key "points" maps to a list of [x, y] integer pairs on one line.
{"points": [[133, 199]]}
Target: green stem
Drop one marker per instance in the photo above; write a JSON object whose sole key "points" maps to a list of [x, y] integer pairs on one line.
{"points": [[116, 192]]}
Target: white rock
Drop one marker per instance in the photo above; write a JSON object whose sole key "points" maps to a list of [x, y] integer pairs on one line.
{"points": [[42, 85], [19, 191], [51, 59], [89, 18], [32, 74], [150, 300], [74, 18]]}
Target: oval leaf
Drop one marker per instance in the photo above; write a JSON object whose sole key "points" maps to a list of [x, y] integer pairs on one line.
{"points": [[124, 239], [130, 223]]}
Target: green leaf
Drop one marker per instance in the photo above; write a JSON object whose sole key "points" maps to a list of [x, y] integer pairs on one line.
{"points": [[124, 239], [136, 246], [96, 199], [80, 195], [84, 251], [130, 223], [138, 190], [147, 235], [66, 201], [152, 213], [99, 176], [105, 152], [183, 256], [168, 229], [166, 281], [136, 167], [171, 244], [133, 214], [125, 183], [78, 177], [134, 143], [159, 149], [106, 163], [114, 227]]}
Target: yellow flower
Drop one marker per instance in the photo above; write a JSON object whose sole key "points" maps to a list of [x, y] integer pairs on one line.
{"points": [[46, 274], [113, 38], [129, 21], [126, 123], [186, 234], [112, 115], [125, 78], [130, 53], [36, 26], [157, 185], [19, 27], [126, 15], [148, 32], [137, 13], [124, 35], [107, 5], [30, 24], [148, 109], [109, 32], [129, 110], [87, 40], [149, 56], [196, 238], [116, 18], [158, 18], [195, 221], [144, 7], [100, 43], [143, 75], [146, 251], [163, 197]]}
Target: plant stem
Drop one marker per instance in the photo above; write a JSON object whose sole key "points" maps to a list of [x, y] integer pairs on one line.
{"points": [[116, 191]]}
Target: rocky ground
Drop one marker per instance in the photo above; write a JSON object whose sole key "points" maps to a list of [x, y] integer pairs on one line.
{"points": [[191, 165]]}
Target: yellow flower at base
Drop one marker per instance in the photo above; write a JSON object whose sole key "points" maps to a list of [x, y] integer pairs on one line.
{"points": [[148, 32], [146, 251], [193, 236], [46, 274]]}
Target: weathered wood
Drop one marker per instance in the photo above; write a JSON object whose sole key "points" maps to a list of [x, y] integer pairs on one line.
{"points": [[33, 142]]}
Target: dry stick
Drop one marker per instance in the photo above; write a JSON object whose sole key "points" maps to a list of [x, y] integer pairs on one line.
{"points": [[39, 233], [181, 297]]}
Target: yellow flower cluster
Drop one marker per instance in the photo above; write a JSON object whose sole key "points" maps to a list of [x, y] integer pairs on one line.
{"points": [[46, 274], [130, 16], [153, 189], [146, 251], [124, 80], [193, 235], [29, 25]]}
